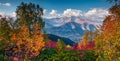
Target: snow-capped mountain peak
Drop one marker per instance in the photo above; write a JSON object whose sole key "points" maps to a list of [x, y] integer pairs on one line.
{"points": [[69, 27]]}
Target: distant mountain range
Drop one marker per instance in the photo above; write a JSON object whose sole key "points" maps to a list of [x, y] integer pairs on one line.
{"points": [[69, 27]]}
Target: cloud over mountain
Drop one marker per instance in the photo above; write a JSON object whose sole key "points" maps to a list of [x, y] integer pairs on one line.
{"points": [[72, 12], [95, 14]]}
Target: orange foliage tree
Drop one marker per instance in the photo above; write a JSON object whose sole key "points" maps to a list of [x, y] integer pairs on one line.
{"points": [[87, 42], [108, 40], [29, 43]]}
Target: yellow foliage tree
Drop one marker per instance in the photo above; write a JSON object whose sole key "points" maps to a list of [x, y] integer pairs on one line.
{"points": [[108, 41], [60, 46]]}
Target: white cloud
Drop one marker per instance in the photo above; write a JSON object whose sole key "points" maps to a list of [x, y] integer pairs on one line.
{"points": [[2, 14], [53, 12], [13, 14], [44, 11], [66, 13], [72, 12], [5, 4], [96, 14]]}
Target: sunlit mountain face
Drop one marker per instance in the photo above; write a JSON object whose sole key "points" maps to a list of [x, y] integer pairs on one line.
{"points": [[72, 23], [69, 27]]}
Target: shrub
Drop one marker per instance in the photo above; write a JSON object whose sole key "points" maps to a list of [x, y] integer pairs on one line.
{"points": [[45, 55]]}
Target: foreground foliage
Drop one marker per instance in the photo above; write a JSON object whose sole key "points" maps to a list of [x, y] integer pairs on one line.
{"points": [[108, 40], [51, 54]]}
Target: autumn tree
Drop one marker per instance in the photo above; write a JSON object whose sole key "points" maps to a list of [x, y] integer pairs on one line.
{"points": [[5, 31], [60, 45], [87, 41], [108, 40], [26, 35], [29, 14], [26, 44]]}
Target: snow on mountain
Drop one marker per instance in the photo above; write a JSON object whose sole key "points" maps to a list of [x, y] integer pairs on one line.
{"points": [[69, 27]]}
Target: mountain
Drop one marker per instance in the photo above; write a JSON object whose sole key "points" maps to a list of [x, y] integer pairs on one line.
{"points": [[69, 27], [65, 40]]}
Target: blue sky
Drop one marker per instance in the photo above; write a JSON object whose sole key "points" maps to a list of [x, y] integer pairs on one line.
{"points": [[56, 8], [59, 5]]}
